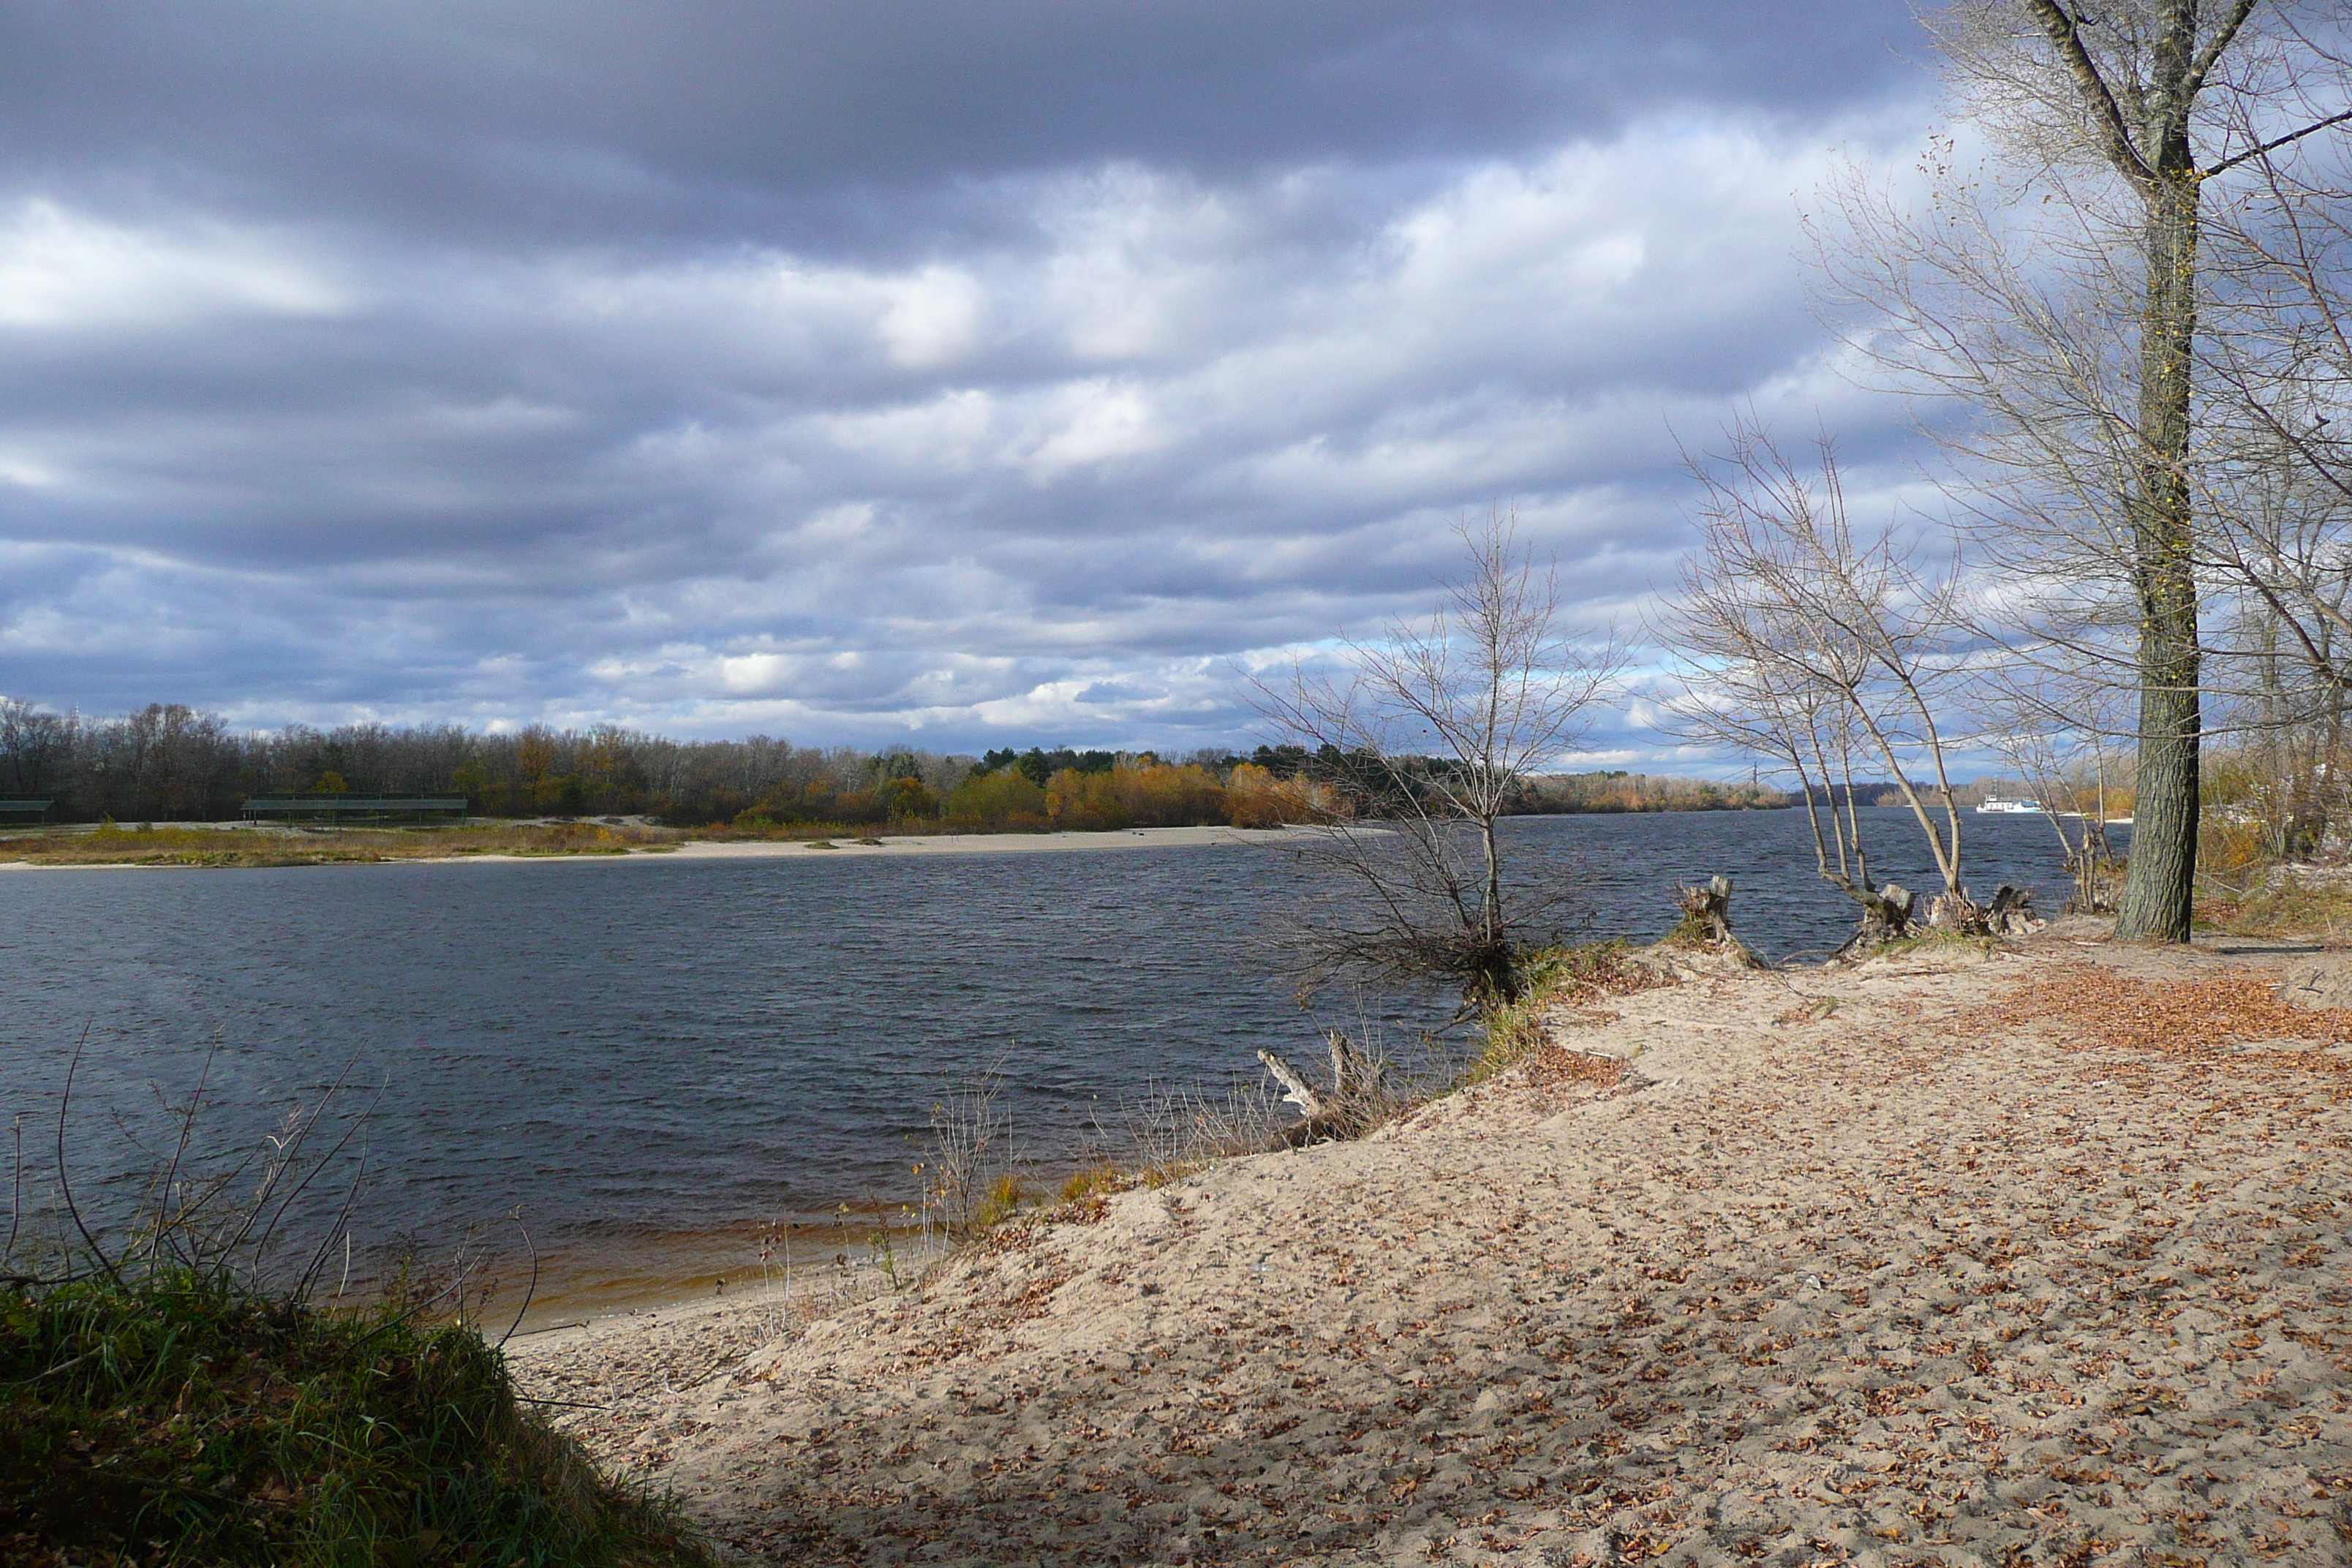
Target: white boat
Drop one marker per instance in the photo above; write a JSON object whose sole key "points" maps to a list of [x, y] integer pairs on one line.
{"points": [[2011, 808]]}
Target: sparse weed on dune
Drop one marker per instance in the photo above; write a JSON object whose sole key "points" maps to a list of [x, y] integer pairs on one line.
{"points": [[2288, 905]]}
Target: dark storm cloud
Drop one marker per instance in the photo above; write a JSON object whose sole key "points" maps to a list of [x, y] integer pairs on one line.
{"points": [[747, 115], [842, 370]]}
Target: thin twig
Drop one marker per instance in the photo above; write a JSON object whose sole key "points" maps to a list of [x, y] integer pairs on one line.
{"points": [[65, 1184], [530, 1291]]}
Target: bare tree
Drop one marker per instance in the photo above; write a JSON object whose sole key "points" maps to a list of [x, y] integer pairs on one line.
{"points": [[2058, 736], [2278, 383], [1802, 643], [2055, 290], [34, 747], [1421, 749]]}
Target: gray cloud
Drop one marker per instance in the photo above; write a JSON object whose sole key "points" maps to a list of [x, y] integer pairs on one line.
{"points": [[594, 118], [983, 373]]}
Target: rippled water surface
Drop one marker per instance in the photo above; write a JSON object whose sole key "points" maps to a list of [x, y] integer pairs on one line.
{"points": [[635, 1051]]}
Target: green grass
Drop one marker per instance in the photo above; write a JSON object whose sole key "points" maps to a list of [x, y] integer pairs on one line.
{"points": [[187, 1420], [1551, 975]]}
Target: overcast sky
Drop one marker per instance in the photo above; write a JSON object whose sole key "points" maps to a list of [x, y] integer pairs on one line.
{"points": [[875, 371]]}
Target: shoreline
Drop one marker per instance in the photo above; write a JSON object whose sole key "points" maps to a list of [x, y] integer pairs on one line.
{"points": [[1957, 1255], [1051, 841], [946, 844], [1059, 842]]}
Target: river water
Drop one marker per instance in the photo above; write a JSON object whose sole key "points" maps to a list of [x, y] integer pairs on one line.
{"points": [[654, 1058]]}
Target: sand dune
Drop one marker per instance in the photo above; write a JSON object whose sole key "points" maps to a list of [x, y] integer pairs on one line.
{"points": [[2019, 1259]]}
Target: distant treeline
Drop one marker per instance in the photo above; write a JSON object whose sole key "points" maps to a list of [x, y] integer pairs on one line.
{"points": [[1870, 793], [1563, 793], [170, 762]]}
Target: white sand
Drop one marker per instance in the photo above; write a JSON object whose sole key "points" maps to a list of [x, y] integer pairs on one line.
{"points": [[925, 845], [1001, 843], [1909, 1283]]}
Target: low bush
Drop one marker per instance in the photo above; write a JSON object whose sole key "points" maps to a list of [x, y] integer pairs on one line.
{"points": [[2232, 853], [1147, 794], [1006, 798]]}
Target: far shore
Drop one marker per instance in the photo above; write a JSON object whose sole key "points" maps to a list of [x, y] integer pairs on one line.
{"points": [[946, 844], [783, 850]]}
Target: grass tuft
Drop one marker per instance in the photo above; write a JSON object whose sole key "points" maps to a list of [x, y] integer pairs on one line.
{"points": [[1930, 940], [1002, 1202], [182, 1418], [1574, 976], [1096, 1180]]}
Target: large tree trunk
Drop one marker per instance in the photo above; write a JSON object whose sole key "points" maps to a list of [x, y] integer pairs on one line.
{"points": [[2161, 883]]}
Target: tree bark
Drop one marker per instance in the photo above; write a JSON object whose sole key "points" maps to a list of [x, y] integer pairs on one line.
{"points": [[2161, 883]]}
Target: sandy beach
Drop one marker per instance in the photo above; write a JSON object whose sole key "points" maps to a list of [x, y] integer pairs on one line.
{"points": [[2039, 1256], [999, 843], [1109, 839]]}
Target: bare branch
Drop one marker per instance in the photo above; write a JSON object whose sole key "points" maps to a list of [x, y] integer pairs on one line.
{"points": [[2066, 34], [2274, 143]]}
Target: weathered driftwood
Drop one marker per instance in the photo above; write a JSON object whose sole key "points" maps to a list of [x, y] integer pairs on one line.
{"points": [[1347, 1107], [1301, 1094], [1355, 1077]]}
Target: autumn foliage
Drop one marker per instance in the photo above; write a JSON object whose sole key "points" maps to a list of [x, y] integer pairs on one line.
{"points": [[1148, 795], [1006, 798]]}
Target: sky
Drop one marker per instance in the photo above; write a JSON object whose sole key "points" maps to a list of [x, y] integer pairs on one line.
{"points": [[886, 372]]}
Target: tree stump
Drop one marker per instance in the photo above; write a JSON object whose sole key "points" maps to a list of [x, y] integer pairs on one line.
{"points": [[1886, 917], [1956, 913], [1706, 925], [2010, 913], [1707, 911]]}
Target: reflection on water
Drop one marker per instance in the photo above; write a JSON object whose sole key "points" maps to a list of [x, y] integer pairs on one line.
{"points": [[639, 1051]]}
